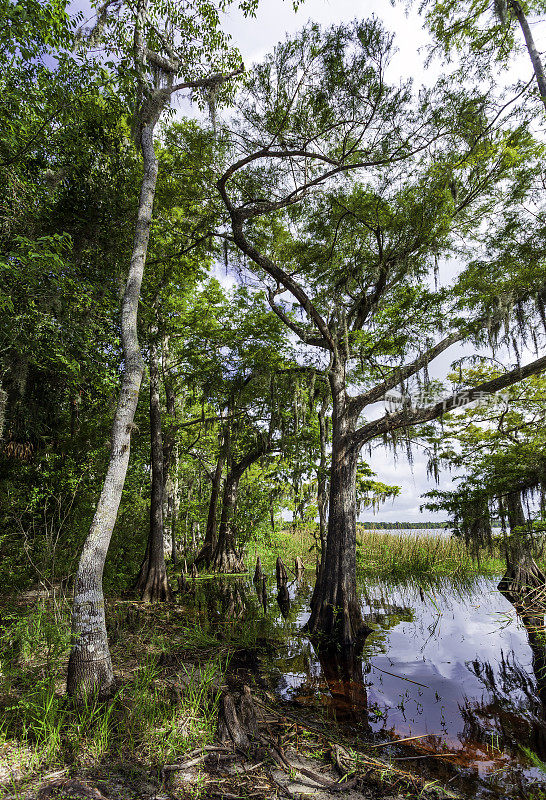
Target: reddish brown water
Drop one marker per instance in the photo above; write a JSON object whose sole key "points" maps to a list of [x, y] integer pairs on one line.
{"points": [[453, 665]]}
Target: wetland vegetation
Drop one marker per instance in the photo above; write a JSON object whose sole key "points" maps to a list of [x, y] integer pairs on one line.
{"points": [[211, 320]]}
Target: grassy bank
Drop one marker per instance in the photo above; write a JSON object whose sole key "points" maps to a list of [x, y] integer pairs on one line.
{"points": [[158, 734], [169, 668], [387, 555], [383, 554]]}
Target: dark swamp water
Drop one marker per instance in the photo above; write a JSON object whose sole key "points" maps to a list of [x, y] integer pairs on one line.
{"points": [[450, 663]]}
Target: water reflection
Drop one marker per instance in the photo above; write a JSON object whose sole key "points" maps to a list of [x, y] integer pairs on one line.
{"points": [[260, 585], [513, 692], [283, 599], [227, 599], [449, 663], [343, 674]]}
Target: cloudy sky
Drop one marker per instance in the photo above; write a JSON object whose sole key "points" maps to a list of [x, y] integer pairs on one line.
{"points": [[276, 18], [256, 37]]}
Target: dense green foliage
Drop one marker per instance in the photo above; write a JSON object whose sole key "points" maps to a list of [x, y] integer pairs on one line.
{"points": [[499, 448], [70, 174], [316, 244]]}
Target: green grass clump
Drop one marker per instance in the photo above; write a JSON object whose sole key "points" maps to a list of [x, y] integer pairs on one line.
{"points": [[155, 714], [389, 555]]}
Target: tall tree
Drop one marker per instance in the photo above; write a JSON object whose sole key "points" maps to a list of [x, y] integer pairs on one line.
{"points": [[358, 256], [152, 582], [180, 254], [163, 42]]}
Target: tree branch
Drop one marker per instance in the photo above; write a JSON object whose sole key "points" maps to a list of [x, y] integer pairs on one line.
{"points": [[406, 418], [275, 271], [212, 80], [311, 340], [357, 404]]}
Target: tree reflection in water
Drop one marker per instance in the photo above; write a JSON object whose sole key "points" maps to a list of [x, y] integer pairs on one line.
{"points": [[342, 672], [226, 599], [283, 599], [502, 715], [261, 590]]}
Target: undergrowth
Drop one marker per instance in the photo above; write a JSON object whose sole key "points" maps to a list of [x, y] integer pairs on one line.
{"points": [[156, 713]]}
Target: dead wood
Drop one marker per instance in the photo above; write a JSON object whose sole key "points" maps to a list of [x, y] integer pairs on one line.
{"points": [[282, 575]]}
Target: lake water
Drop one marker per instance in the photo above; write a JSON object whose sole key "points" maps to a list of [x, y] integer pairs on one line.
{"points": [[418, 531], [452, 664]]}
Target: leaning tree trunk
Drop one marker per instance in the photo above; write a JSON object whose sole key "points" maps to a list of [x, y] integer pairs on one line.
{"points": [[206, 553], [335, 611], [90, 664], [152, 583], [534, 55], [225, 557]]}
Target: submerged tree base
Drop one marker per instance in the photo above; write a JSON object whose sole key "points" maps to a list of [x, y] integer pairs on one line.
{"points": [[227, 560], [205, 555], [337, 625]]}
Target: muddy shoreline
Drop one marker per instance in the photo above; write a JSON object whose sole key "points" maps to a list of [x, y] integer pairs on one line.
{"points": [[335, 719]]}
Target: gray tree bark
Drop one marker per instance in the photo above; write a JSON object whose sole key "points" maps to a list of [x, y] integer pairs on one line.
{"points": [[90, 664], [531, 49]]}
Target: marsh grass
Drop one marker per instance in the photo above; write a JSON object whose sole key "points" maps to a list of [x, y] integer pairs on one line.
{"points": [[288, 544], [414, 555], [385, 555]]}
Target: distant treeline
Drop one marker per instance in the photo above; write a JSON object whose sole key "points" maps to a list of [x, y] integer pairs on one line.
{"points": [[389, 526]]}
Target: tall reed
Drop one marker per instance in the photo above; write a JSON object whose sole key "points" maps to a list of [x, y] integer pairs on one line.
{"points": [[398, 555]]}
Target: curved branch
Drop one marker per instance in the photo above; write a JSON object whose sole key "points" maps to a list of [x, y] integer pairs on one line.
{"points": [[357, 404], [300, 333], [406, 418]]}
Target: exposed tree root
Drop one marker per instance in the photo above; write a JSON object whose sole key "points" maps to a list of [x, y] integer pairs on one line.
{"points": [[152, 584], [226, 559]]}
